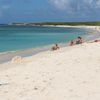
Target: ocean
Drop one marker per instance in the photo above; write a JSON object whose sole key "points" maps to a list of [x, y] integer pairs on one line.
{"points": [[14, 38], [28, 38]]}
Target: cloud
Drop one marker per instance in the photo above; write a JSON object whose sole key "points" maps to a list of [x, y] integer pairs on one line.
{"points": [[98, 4], [3, 8], [60, 4], [75, 4]]}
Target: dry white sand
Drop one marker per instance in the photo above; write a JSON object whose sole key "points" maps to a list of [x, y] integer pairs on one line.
{"points": [[71, 73]]}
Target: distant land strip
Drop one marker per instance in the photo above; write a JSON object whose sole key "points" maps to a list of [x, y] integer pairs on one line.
{"points": [[57, 23]]}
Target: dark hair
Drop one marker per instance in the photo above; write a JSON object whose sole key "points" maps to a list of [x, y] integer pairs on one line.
{"points": [[56, 44], [79, 37]]}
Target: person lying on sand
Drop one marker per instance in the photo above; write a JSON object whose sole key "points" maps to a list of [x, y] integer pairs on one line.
{"points": [[97, 40], [55, 47]]}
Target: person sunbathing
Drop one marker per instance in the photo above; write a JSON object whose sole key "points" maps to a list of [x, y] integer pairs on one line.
{"points": [[55, 47], [79, 40], [97, 40]]}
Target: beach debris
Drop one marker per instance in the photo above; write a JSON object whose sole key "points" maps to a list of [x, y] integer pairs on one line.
{"points": [[35, 88], [19, 59], [16, 59], [3, 83]]}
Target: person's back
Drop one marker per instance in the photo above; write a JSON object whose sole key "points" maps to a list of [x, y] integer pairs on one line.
{"points": [[55, 47], [79, 41]]}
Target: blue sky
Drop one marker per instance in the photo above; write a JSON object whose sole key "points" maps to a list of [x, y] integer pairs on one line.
{"points": [[49, 10]]}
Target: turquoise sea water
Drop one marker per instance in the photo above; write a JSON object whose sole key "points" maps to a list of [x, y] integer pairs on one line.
{"points": [[29, 40], [14, 38]]}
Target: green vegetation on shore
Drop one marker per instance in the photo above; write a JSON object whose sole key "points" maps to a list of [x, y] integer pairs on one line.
{"points": [[60, 23]]}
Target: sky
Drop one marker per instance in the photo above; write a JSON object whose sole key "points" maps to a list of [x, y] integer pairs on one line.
{"points": [[49, 10]]}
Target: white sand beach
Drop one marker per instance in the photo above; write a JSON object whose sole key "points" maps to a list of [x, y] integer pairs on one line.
{"points": [[70, 73]]}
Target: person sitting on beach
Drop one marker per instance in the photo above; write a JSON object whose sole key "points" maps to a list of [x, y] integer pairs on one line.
{"points": [[96, 40], [71, 43], [55, 47], [79, 40]]}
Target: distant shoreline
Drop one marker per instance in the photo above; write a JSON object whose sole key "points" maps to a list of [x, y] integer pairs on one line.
{"points": [[93, 27], [96, 28], [88, 23]]}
